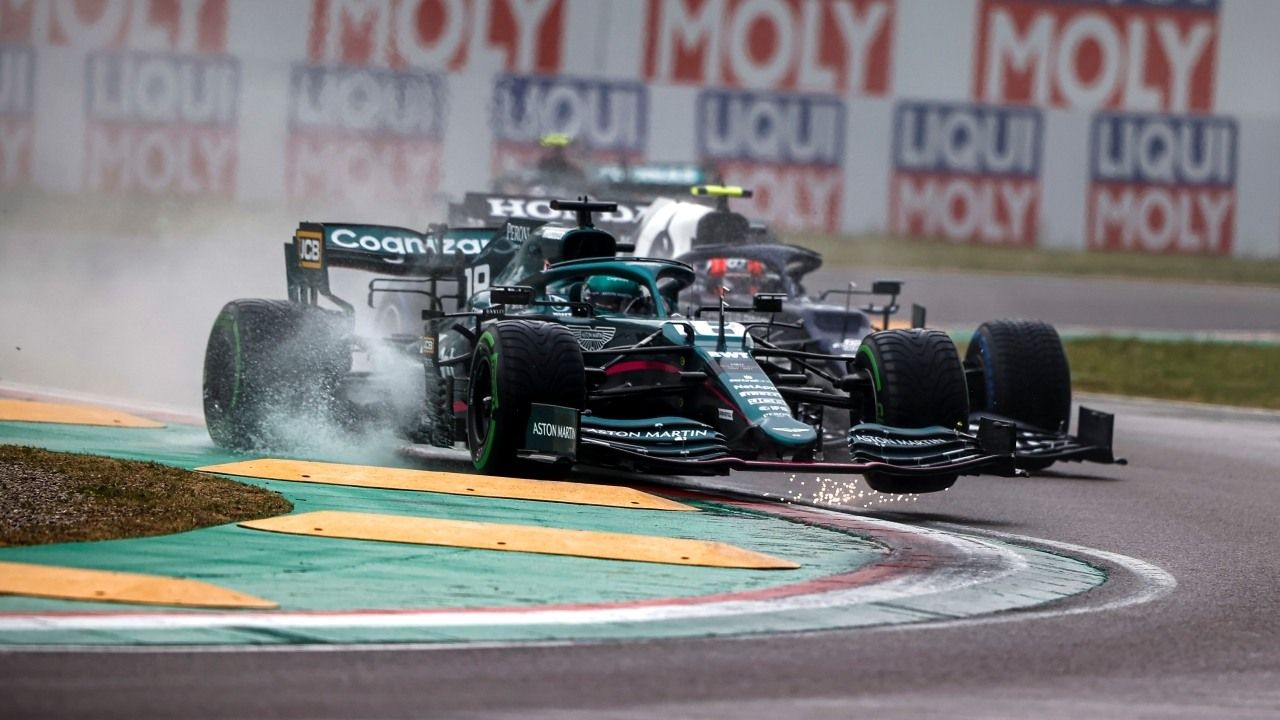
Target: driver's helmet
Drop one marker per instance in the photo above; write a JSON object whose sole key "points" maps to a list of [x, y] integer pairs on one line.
{"points": [[611, 294]]}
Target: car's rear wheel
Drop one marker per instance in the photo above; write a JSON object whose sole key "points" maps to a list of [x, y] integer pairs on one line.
{"points": [[917, 381], [437, 410], [1025, 376], [517, 363], [269, 361]]}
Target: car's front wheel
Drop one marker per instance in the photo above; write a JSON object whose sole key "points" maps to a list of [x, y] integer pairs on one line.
{"points": [[917, 381], [1025, 376], [517, 363]]}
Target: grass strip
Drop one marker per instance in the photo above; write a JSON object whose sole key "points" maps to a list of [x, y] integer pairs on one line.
{"points": [[1208, 372], [887, 251], [49, 497]]}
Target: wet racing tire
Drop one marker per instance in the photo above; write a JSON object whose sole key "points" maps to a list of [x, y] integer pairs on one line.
{"points": [[1025, 376], [917, 381], [268, 360], [517, 363], [437, 411]]}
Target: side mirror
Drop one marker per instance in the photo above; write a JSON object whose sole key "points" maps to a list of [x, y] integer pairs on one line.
{"points": [[886, 287], [767, 303], [511, 295]]}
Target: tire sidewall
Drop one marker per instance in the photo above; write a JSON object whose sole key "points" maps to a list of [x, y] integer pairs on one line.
{"points": [[485, 370]]}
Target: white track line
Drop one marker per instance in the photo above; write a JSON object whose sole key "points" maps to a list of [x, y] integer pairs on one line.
{"points": [[1155, 584]]}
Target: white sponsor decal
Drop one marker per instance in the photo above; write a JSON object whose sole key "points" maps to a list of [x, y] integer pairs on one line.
{"points": [[676, 434], [517, 234], [564, 432], [393, 244], [466, 246], [901, 442], [540, 209], [593, 338], [793, 430]]}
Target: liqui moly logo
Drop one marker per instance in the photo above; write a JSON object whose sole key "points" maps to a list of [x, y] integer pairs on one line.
{"points": [[831, 46], [1136, 55], [605, 119], [17, 85], [1162, 183], [161, 95], [193, 27], [360, 134], [787, 148], [967, 173], [450, 35]]}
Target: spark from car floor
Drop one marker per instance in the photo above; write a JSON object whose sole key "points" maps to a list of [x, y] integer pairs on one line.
{"points": [[845, 491]]}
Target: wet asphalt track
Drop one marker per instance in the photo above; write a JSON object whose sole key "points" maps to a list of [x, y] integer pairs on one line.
{"points": [[1201, 500]]}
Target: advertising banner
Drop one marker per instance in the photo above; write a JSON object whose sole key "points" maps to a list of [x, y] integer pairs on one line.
{"points": [[439, 35], [1136, 55], [161, 94], [967, 173], [787, 148], [1162, 183], [17, 93], [360, 134], [606, 120], [830, 46]]}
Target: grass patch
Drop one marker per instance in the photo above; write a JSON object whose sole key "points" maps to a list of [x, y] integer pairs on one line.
{"points": [[884, 251], [1219, 373], [48, 497]]}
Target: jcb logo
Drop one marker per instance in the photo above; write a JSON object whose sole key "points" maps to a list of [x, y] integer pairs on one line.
{"points": [[310, 246]]}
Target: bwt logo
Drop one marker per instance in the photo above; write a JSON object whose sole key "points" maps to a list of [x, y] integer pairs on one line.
{"points": [[787, 148], [359, 134], [161, 122], [1162, 183], [17, 78], [449, 35], [1137, 55], [967, 173], [833, 46]]}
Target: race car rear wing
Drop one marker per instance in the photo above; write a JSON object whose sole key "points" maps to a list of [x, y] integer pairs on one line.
{"points": [[439, 253], [497, 208]]}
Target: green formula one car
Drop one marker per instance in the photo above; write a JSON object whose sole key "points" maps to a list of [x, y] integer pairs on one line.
{"points": [[546, 350]]}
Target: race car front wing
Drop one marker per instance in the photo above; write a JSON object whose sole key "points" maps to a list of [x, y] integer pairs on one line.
{"points": [[1035, 446], [879, 449]]}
